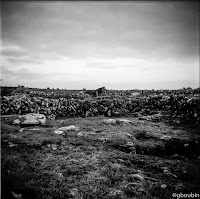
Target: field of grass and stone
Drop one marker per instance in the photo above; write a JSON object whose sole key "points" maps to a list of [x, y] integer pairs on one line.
{"points": [[99, 157], [112, 146]]}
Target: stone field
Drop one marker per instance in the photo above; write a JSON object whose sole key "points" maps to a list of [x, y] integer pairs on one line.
{"points": [[99, 157]]}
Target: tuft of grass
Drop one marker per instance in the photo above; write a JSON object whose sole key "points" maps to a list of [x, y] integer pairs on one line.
{"points": [[9, 129]]}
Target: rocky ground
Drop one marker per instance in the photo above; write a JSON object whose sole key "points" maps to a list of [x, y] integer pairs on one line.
{"points": [[99, 157]]}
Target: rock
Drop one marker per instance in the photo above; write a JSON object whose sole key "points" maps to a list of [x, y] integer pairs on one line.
{"points": [[15, 195], [177, 122], [164, 168], [109, 113], [116, 193], [179, 157], [58, 132], [166, 137], [163, 186], [124, 121], [130, 144], [135, 114], [104, 139], [109, 121], [121, 160], [116, 166], [73, 192], [17, 121], [167, 172], [51, 117], [80, 134], [60, 176], [34, 129], [133, 185], [144, 118], [116, 113], [152, 118], [54, 147], [141, 190], [68, 128], [20, 130], [87, 114], [10, 144], [85, 133], [136, 177], [171, 174], [31, 121], [42, 121], [179, 187]]}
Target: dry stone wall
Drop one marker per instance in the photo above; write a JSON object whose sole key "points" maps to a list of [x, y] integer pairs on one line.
{"points": [[184, 106]]}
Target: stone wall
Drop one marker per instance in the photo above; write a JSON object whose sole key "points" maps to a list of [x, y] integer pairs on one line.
{"points": [[184, 106]]}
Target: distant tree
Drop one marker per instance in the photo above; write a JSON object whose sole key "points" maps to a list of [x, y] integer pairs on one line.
{"points": [[58, 89], [48, 88]]}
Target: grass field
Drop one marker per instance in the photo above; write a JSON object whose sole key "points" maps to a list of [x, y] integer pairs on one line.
{"points": [[137, 160]]}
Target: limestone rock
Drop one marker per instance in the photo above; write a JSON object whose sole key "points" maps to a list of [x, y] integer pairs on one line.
{"points": [[166, 137], [68, 128], [137, 177], [17, 121], [124, 121], [109, 121], [31, 119], [58, 132], [86, 133]]}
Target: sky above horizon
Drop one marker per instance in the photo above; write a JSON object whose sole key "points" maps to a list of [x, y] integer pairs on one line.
{"points": [[117, 44]]}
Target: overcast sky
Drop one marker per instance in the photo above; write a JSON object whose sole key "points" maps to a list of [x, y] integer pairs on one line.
{"points": [[119, 45]]}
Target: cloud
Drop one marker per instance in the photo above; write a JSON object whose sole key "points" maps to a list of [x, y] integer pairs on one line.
{"points": [[121, 43], [14, 55], [17, 60], [24, 74], [12, 50], [42, 80]]}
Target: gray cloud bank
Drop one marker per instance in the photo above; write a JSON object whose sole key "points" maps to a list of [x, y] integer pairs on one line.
{"points": [[97, 36]]}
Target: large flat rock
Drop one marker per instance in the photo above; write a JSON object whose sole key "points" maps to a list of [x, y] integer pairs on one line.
{"points": [[31, 119]]}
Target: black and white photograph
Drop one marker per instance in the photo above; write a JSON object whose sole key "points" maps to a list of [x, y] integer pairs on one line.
{"points": [[100, 99]]}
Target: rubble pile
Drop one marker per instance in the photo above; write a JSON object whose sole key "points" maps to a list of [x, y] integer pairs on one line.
{"points": [[179, 105]]}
